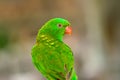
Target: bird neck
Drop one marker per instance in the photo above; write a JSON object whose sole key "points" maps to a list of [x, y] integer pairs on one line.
{"points": [[48, 37], [48, 41], [55, 35]]}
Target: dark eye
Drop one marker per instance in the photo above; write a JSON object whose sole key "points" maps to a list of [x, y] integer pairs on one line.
{"points": [[60, 25]]}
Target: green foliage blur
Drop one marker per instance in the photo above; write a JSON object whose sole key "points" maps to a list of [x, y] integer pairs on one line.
{"points": [[4, 37]]}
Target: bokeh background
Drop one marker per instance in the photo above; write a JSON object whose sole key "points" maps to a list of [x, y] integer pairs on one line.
{"points": [[95, 40]]}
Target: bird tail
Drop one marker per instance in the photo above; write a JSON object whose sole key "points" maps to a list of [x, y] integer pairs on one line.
{"points": [[74, 75]]}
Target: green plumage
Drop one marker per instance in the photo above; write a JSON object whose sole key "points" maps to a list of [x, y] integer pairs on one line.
{"points": [[52, 57]]}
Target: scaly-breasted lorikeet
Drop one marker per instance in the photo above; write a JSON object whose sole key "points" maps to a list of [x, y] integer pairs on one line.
{"points": [[52, 57]]}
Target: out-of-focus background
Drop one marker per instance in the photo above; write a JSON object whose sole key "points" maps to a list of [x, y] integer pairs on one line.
{"points": [[95, 38]]}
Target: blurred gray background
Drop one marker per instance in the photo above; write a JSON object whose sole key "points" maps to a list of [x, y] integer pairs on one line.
{"points": [[95, 39]]}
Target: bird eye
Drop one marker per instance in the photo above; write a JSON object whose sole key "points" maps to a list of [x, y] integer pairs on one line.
{"points": [[60, 25]]}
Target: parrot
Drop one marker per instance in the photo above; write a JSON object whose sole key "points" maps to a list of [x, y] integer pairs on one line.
{"points": [[51, 56]]}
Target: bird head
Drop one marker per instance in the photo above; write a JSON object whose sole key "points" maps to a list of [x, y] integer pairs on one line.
{"points": [[56, 28]]}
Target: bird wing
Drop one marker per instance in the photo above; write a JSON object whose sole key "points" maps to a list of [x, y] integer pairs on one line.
{"points": [[53, 61]]}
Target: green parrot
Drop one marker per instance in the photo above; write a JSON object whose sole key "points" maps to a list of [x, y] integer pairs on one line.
{"points": [[51, 56]]}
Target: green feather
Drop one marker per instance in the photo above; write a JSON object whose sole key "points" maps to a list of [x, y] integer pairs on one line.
{"points": [[51, 56]]}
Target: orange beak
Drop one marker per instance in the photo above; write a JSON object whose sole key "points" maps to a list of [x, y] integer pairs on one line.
{"points": [[68, 30]]}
